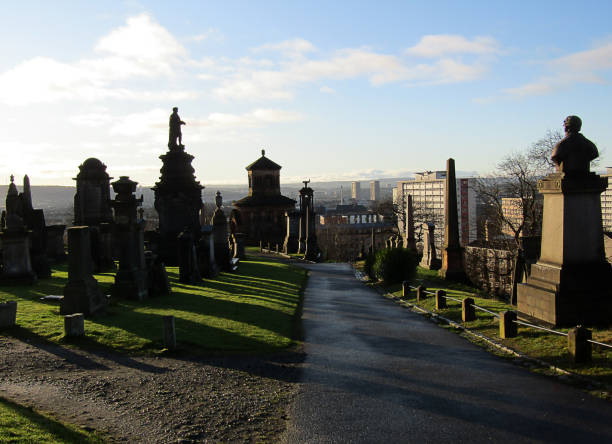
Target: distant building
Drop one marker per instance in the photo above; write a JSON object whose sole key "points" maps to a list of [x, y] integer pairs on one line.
{"points": [[374, 190], [429, 201], [355, 190], [606, 203], [513, 212], [262, 212]]}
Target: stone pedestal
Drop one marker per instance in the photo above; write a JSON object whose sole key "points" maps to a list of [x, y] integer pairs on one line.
{"points": [[81, 293], [178, 200], [571, 282], [16, 262]]}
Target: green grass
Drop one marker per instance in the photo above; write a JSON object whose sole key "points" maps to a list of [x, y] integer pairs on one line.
{"points": [[535, 343], [251, 310], [23, 425]]}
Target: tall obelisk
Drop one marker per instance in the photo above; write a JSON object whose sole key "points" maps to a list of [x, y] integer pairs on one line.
{"points": [[452, 253]]}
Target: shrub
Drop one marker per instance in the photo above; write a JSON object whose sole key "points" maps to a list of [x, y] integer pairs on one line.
{"points": [[393, 265], [368, 267]]}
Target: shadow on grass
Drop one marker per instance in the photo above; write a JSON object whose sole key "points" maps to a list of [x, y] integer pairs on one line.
{"points": [[58, 431]]}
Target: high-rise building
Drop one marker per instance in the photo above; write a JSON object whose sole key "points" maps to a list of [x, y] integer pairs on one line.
{"points": [[429, 200], [374, 190], [606, 202], [355, 190]]}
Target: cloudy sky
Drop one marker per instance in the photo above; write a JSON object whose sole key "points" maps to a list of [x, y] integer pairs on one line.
{"points": [[332, 90]]}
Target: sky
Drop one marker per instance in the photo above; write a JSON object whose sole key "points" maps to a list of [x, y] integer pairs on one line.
{"points": [[342, 90]]}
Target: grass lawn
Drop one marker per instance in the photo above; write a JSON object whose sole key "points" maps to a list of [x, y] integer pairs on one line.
{"points": [[21, 424], [254, 309], [539, 344]]}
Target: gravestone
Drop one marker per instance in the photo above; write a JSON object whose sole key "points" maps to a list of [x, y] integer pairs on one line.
{"points": [[178, 196], [240, 240], [206, 253], [429, 259], [452, 252], [56, 251], [34, 220], [290, 244], [220, 236], [8, 314], [570, 283], [307, 216], [188, 260], [15, 240], [157, 277], [81, 293], [131, 278]]}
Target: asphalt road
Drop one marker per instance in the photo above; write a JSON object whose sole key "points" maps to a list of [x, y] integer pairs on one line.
{"points": [[376, 372]]}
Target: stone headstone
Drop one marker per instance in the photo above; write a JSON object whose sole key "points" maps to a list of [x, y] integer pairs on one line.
{"points": [[188, 260], [240, 240], [74, 325], [157, 277], [56, 251], [92, 203], [206, 253], [452, 253], [291, 242], [220, 237], [429, 259], [81, 293]]}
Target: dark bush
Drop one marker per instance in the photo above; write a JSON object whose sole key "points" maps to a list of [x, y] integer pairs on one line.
{"points": [[393, 265], [368, 267]]}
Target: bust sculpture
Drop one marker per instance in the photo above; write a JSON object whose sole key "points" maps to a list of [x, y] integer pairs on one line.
{"points": [[573, 154], [175, 130]]}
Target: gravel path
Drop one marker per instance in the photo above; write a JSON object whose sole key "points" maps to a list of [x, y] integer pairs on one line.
{"points": [[375, 372], [153, 399]]}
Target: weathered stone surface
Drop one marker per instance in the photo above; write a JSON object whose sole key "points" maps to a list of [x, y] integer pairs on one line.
{"points": [[429, 259], [206, 253], [74, 325], [16, 262], [56, 251], [92, 203], [8, 314], [81, 293]]}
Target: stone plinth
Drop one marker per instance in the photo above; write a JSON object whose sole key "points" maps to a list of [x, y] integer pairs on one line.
{"points": [[16, 262], [570, 283], [81, 293], [178, 200]]}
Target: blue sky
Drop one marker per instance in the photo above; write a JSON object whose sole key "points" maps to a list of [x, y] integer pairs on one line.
{"points": [[332, 90]]}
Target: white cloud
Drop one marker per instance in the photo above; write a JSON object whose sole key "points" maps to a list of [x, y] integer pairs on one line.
{"points": [[289, 47], [588, 66], [209, 34], [379, 69], [443, 44], [327, 90], [141, 48]]}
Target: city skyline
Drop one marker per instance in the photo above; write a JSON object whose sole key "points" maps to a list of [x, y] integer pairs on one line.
{"points": [[343, 91]]}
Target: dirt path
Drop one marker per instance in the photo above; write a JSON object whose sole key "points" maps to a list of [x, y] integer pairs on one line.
{"points": [[153, 399]]}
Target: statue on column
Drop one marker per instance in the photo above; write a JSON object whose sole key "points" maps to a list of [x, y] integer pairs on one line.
{"points": [[573, 154], [175, 130]]}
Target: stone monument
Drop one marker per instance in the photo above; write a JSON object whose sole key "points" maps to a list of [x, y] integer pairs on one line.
{"points": [[15, 240], [409, 239], [570, 283], [81, 293], [262, 212], [307, 216], [220, 236], [92, 207], [34, 220], [131, 277], [429, 259], [290, 245], [206, 253], [178, 195], [188, 259], [452, 252]]}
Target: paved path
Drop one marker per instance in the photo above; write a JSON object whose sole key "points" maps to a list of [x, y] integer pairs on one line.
{"points": [[376, 372]]}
